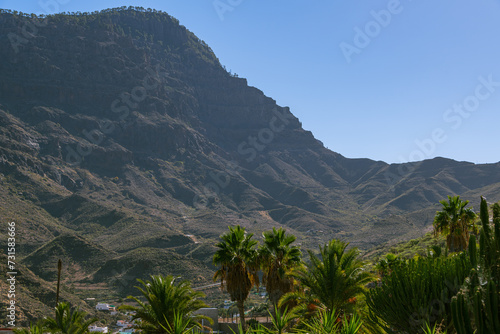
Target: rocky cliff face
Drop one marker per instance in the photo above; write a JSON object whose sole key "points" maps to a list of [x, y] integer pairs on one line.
{"points": [[131, 97], [122, 127]]}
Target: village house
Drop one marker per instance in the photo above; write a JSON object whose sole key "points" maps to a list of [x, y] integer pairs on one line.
{"points": [[105, 307]]}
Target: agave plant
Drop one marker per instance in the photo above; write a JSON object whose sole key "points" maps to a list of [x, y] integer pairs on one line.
{"points": [[282, 321], [241, 330], [179, 325], [331, 322], [428, 329]]}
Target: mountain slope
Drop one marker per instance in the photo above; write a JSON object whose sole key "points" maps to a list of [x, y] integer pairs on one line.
{"points": [[122, 128]]}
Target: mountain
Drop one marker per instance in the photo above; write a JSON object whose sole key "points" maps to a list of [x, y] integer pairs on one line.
{"points": [[123, 138], [34, 297]]}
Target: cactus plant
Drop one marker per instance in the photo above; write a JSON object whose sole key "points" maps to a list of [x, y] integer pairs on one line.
{"points": [[475, 309], [416, 292]]}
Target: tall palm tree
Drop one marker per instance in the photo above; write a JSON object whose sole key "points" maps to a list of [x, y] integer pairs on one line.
{"points": [[278, 258], [68, 320], [237, 260], [454, 221], [331, 281], [167, 305]]}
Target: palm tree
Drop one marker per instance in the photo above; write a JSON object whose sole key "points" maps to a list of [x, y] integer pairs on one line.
{"points": [[384, 266], [237, 258], [68, 320], [454, 221], [333, 281], [278, 258], [168, 306]]}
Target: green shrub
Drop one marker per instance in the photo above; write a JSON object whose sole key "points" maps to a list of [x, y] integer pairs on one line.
{"points": [[416, 292]]}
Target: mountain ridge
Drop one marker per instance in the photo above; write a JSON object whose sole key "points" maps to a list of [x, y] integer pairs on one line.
{"points": [[123, 129], [210, 121]]}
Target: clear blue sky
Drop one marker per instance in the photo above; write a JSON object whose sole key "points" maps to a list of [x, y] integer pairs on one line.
{"points": [[399, 87]]}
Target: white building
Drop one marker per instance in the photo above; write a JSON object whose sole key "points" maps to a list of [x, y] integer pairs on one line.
{"points": [[105, 307], [98, 329], [121, 323]]}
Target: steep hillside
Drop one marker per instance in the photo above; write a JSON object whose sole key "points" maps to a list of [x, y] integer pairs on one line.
{"points": [[121, 132], [34, 297], [74, 252]]}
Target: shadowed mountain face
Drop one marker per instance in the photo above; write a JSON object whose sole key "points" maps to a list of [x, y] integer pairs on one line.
{"points": [[122, 128]]}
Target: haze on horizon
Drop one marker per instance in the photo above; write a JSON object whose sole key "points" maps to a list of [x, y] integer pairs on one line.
{"points": [[388, 80]]}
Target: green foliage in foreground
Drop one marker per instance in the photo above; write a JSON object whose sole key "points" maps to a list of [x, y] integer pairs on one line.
{"points": [[68, 320], [323, 322], [455, 221], [237, 260], [476, 308], [458, 293], [278, 258], [416, 292], [37, 328], [169, 306], [329, 322], [433, 293], [281, 322], [333, 280]]}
